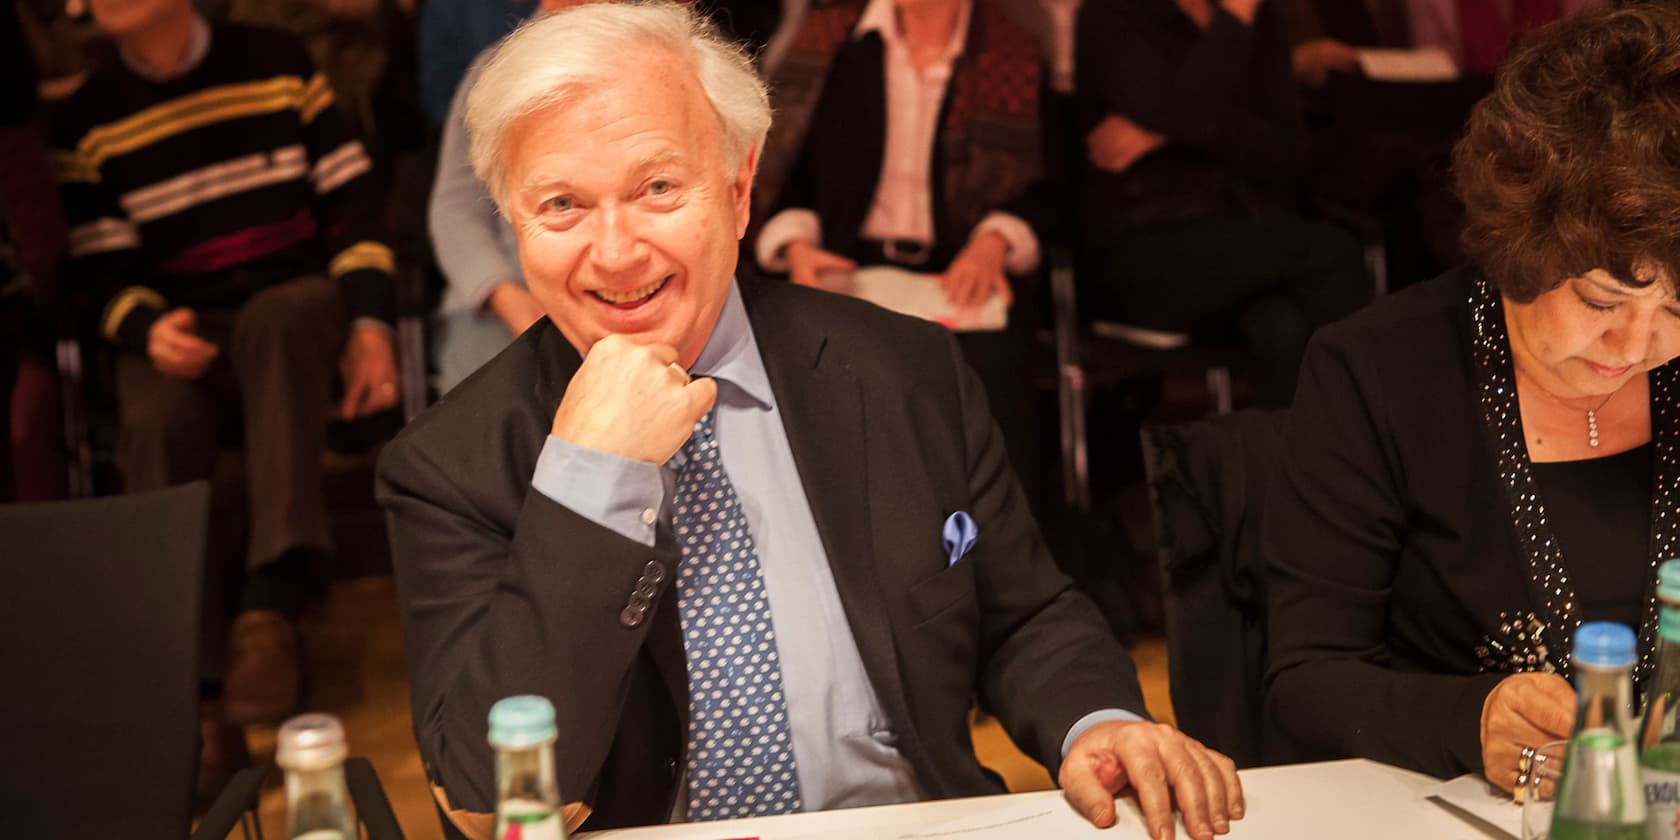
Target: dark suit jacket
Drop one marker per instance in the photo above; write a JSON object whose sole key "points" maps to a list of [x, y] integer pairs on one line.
{"points": [[504, 592], [1390, 541]]}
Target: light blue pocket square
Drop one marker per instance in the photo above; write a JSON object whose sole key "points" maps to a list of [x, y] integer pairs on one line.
{"points": [[960, 534]]}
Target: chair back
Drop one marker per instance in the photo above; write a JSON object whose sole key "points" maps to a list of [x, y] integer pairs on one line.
{"points": [[99, 645], [1207, 484]]}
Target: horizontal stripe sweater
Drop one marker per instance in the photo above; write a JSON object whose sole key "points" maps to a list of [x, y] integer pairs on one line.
{"points": [[202, 189]]}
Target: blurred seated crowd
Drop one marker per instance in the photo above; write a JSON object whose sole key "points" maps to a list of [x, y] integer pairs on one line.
{"points": [[216, 218]]}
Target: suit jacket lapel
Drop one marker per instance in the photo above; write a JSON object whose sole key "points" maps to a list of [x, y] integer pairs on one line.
{"points": [[823, 413]]}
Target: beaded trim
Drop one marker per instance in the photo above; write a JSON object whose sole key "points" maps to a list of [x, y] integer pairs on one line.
{"points": [[1502, 417]]}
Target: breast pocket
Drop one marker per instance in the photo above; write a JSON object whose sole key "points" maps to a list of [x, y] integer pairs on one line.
{"points": [[944, 594]]}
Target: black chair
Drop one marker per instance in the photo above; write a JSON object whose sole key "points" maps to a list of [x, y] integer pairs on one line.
{"points": [[99, 716], [1207, 485], [1099, 354], [101, 647]]}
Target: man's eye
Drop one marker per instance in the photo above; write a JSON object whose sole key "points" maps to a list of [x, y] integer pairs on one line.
{"points": [[558, 205], [660, 187]]}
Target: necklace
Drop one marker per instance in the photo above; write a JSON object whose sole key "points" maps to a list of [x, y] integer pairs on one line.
{"points": [[1592, 419]]}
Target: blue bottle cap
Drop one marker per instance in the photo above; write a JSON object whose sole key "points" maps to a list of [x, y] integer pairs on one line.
{"points": [[1604, 644], [1668, 580], [521, 721]]}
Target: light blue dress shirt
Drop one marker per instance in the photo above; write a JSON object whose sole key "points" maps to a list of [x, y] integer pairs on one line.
{"points": [[845, 749]]}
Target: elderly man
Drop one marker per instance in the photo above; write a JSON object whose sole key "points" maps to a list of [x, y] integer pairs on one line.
{"points": [[708, 517]]}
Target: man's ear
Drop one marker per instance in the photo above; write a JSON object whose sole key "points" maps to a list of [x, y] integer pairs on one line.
{"points": [[743, 190]]}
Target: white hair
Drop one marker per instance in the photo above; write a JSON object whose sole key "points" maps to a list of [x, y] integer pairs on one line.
{"points": [[559, 57]]}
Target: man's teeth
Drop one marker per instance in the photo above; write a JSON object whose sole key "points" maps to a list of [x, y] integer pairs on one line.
{"points": [[630, 296]]}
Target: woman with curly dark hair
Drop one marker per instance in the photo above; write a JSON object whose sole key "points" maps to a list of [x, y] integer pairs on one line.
{"points": [[1477, 465]]}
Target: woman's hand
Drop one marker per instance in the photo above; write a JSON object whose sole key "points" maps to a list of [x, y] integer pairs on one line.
{"points": [[807, 263], [1523, 710]]}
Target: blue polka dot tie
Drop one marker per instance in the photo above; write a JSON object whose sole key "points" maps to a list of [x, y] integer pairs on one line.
{"points": [[740, 752]]}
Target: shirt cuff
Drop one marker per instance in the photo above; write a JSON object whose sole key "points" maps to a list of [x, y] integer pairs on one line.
{"points": [[1022, 254], [791, 225], [622, 495], [1092, 719]]}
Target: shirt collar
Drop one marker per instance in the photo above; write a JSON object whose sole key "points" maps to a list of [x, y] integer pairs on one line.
{"points": [[196, 50], [880, 16], [731, 353]]}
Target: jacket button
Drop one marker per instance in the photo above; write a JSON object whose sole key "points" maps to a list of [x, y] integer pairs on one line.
{"points": [[633, 615], [653, 572]]}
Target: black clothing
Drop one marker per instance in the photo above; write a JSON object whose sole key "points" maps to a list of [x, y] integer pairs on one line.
{"points": [[1600, 509], [1403, 554]]}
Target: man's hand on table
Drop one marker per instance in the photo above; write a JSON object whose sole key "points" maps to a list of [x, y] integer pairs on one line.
{"points": [[1163, 766]]}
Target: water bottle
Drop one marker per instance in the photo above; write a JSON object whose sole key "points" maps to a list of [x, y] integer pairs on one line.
{"points": [[311, 751], [1599, 796], [527, 798], [1659, 745]]}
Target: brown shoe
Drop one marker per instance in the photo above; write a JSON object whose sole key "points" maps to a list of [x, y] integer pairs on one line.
{"points": [[221, 752], [263, 678]]}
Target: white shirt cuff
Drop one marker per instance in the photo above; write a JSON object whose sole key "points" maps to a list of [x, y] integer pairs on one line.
{"points": [[619, 494], [1022, 255], [794, 224], [1092, 719]]}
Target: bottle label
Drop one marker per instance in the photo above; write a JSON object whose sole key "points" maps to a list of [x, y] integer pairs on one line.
{"points": [[1662, 802], [546, 828]]}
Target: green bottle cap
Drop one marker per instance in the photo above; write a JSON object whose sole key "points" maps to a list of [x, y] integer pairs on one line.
{"points": [[522, 721], [1668, 580]]}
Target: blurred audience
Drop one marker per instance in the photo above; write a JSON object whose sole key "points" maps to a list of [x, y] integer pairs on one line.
{"points": [[1195, 148], [1477, 33], [1478, 464], [32, 456], [937, 104], [452, 34], [222, 220]]}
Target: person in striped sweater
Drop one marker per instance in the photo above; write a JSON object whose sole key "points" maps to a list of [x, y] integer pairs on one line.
{"points": [[224, 222]]}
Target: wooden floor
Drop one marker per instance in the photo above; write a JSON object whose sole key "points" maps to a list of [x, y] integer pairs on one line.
{"points": [[356, 668]]}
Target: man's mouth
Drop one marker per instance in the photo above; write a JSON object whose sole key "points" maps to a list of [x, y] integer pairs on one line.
{"points": [[632, 297]]}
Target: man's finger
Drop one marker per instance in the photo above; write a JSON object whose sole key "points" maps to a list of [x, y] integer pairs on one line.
{"points": [[1187, 789], [1088, 793], [701, 393], [664, 354], [1213, 786], [1149, 780], [1235, 803]]}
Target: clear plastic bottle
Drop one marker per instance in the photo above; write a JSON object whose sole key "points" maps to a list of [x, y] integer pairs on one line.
{"points": [[1599, 795], [311, 751], [527, 798], [1659, 745]]}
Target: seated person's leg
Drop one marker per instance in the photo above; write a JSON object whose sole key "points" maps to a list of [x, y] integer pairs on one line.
{"points": [[284, 353], [465, 341], [167, 427]]}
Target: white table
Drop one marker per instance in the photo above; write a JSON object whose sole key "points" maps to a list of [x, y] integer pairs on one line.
{"points": [[1356, 798]]}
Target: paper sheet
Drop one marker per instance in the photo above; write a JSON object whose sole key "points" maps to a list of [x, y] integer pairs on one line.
{"points": [[1421, 65], [1473, 794], [918, 295]]}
